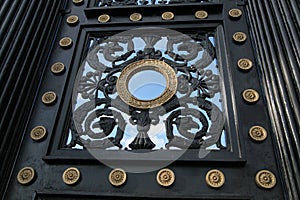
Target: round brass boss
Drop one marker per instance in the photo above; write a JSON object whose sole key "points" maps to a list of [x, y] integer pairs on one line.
{"points": [[117, 177], [235, 13], [239, 37], [26, 175], [245, 64], [71, 176], [258, 133], [165, 177], [57, 68], [201, 14], [49, 97], [265, 179], [103, 18], [72, 20], [215, 178], [65, 42], [167, 16], [147, 64], [38, 133], [78, 2], [250, 95], [135, 17]]}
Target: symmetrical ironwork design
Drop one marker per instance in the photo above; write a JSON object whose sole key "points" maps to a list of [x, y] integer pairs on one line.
{"points": [[38, 133], [258, 133], [57, 68], [49, 98], [215, 178], [250, 96], [117, 177], [65, 42], [201, 14], [165, 177], [26, 175], [105, 3], [191, 118], [104, 18], [71, 176], [265, 179]]}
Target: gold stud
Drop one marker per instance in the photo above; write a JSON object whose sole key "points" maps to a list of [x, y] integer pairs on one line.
{"points": [[26, 175], [201, 14], [78, 2], [71, 176], [215, 178], [239, 37], [72, 20], [165, 177], [49, 97], [57, 68], [265, 179], [65, 42], [135, 17], [250, 95], [167, 16], [38, 133], [103, 18], [245, 64], [117, 177], [258, 133], [235, 13]]}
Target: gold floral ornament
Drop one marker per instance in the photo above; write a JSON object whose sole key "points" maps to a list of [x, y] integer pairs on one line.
{"points": [[201, 14], [147, 64], [65, 42], [250, 95], [135, 17], [245, 64], [215, 178], [117, 177], [57, 68], [258, 133], [265, 179], [167, 16], [235, 13], [38, 133], [165, 177], [26, 175], [72, 20], [49, 97], [104, 18], [71, 176], [239, 37]]}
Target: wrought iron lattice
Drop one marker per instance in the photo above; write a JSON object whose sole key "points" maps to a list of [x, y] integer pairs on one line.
{"points": [[188, 114], [105, 3]]}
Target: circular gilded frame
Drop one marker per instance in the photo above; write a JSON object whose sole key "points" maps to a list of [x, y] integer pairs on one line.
{"points": [[147, 64]]}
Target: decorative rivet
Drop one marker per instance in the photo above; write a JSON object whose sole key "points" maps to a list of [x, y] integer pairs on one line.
{"points": [[57, 68], [65, 42], [103, 18], [239, 37], [245, 64], [235, 13], [135, 17], [250, 95], [78, 2], [38, 133], [165, 177], [258, 133], [72, 20], [265, 179], [201, 14], [49, 98], [215, 178], [117, 177], [26, 175], [167, 16], [71, 176]]}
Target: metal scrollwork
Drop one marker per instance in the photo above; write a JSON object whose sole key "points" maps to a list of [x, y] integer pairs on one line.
{"points": [[106, 3], [191, 118]]}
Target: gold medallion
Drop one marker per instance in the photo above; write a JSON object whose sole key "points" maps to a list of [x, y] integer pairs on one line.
{"points": [[49, 98], [65, 42], [57, 68], [71, 176], [72, 20], [165, 177], [258, 133], [250, 95], [117, 177], [235, 13], [201, 14], [26, 175], [239, 37], [38, 133], [215, 178], [104, 18], [167, 16], [265, 179], [245, 64], [135, 17]]}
